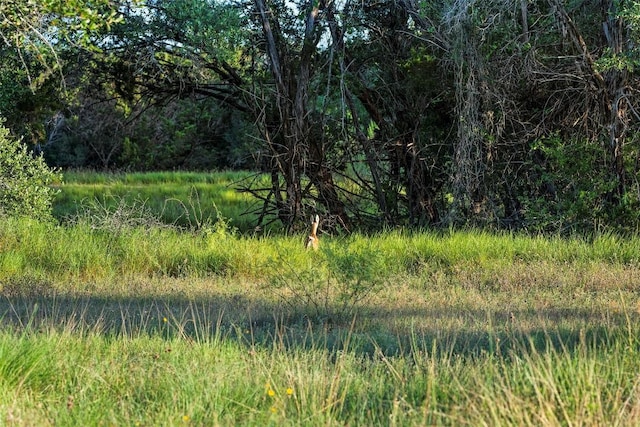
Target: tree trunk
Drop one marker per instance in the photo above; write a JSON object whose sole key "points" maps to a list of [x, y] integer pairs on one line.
{"points": [[617, 82], [296, 149]]}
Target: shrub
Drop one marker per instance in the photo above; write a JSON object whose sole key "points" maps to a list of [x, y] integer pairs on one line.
{"points": [[25, 180], [333, 283]]}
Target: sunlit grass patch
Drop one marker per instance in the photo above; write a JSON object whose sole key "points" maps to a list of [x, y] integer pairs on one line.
{"points": [[176, 198]]}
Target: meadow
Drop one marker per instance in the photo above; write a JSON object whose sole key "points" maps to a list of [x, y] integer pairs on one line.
{"points": [[121, 316]]}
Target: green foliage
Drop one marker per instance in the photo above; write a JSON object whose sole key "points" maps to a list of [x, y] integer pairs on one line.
{"points": [[382, 103], [185, 134], [69, 152], [191, 135], [26, 104], [40, 24], [574, 190], [215, 27], [25, 181], [626, 56]]}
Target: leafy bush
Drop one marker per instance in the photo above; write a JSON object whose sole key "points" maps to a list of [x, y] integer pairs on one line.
{"points": [[25, 180]]}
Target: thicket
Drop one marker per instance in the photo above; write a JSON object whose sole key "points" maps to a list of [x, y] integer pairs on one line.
{"points": [[503, 113]]}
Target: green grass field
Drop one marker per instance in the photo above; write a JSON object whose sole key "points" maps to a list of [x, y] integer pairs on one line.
{"points": [[121, 323]]}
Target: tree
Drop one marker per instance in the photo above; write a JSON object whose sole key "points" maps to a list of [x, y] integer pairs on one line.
{"points": [[316, 80], [40, 42], [291, 124], [261, 68]]}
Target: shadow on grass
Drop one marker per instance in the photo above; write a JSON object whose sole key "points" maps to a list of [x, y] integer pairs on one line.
{"points": [[373, 331]]}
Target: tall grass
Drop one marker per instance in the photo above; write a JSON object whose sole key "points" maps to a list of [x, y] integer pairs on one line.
{"points": [[74, 375], [81, 252], [115, 318]]}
